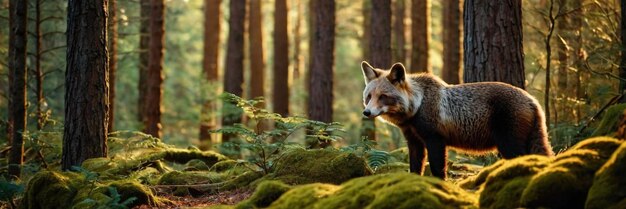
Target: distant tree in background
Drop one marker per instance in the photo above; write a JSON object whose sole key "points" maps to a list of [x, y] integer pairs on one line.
{"points": [[280, 89], [451, 72], [320, 103], [368, 125], [297, 39], [86, 99], [18, 17], [38, 70], [210, 65], [622, 64], [399, 52], [112, 60], [257, 60], [487, 23], [420, 36], [233, 75], [154, 78], [144, 56]]}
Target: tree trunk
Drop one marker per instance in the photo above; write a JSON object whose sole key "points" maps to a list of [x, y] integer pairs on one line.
{"points": [[86, 79], [451, 72], [280, 88], [297, 38], [112, 60], [322, 60], [38, 71], [154, 79], [577, 91], [233, 80], [622, 64], [210, 65], [257, 60], [368, 125], [420, 35], [562, 75], [493, 42], [18, 17], [144, 57], [399, 53]]}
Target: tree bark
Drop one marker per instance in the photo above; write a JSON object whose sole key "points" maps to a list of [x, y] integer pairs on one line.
{"points": [[210, 65], [368, 125], [297, 38], [257, 60], [280, 88], [144, 57], [562, 75], [18, 18], [420, 35], [154, 79], [577, 91], [234, 62], [86, 83], [112, 60], [320, 101], [493, 48], [622, 64], [38, 71], [451, 72], [399, 54]]}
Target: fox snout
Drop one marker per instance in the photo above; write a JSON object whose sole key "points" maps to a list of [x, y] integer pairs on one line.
{"points": [[371, 113]]}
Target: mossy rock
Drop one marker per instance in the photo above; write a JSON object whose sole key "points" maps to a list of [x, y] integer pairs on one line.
{"points": [[400, 155], [505, 184], [395, 167], [299, 166], [102, 196], [196, 165], [566, 181], [396, 190], [474, 182], [607, 190], [610, 121], [265, 193], [223, 165], [48, 189], [183, 156], [189, 178]]}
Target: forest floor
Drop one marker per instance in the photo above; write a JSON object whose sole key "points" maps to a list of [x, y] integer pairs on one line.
{"points": [[222, 198]]}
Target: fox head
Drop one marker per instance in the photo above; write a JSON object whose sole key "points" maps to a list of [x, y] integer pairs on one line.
{"points": [[388, 92]]}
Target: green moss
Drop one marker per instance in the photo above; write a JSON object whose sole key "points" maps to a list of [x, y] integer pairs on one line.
{"points": [[304, 196], [397, 190], [183, 156], [189, 178], [474, 182], [240, 181], [196, 165], [265, 193], [400, 155], [48, 189], [393, 168], [128, 189], [505, 184], [608, 186], [610, 120], [566, 181], [223, 165], [299, 166]]}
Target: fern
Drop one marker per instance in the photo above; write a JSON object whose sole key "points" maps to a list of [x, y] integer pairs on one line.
{"points": [[9, 191], [377, 158]]}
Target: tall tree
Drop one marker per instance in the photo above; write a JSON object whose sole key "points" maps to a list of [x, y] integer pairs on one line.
{"points": [[210, 63], [86, 79], [420, 35], [498, 25], [112, 60], [622, 64], [257, 61], [280, 96], [451, 72], [368, 125], [297, 38], [154, 78], [320, 103], [38, 70], [144, 57], [578, 58], [233, 80], [17, 85], [399, 53]]}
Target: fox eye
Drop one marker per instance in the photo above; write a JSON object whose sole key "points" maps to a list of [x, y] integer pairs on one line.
{"points": [[386, 100]]}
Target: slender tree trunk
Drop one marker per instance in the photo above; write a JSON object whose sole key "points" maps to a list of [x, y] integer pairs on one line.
{"points": [[210, 65], [622, 64], [257, 60], [112, 60], [297, 38], [420, 35], [368, 125], [547, 94], [234, 62], [562, 75], [577, 91], [281, 60], [144, 57], [38, 71], [86, 83], [451, 72], [493, 48], [154, 79], [322, 61], [18, 17], [399, 53]]}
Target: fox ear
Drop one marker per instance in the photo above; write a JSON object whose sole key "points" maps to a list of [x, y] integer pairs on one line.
{"points": [[397, 74], [369, 72]]}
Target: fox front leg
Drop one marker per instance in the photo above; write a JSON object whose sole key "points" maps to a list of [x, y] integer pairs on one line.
{"points": [[416, 152]]}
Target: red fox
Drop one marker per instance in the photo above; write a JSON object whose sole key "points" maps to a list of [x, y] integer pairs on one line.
{"points": [[472, 117]]}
